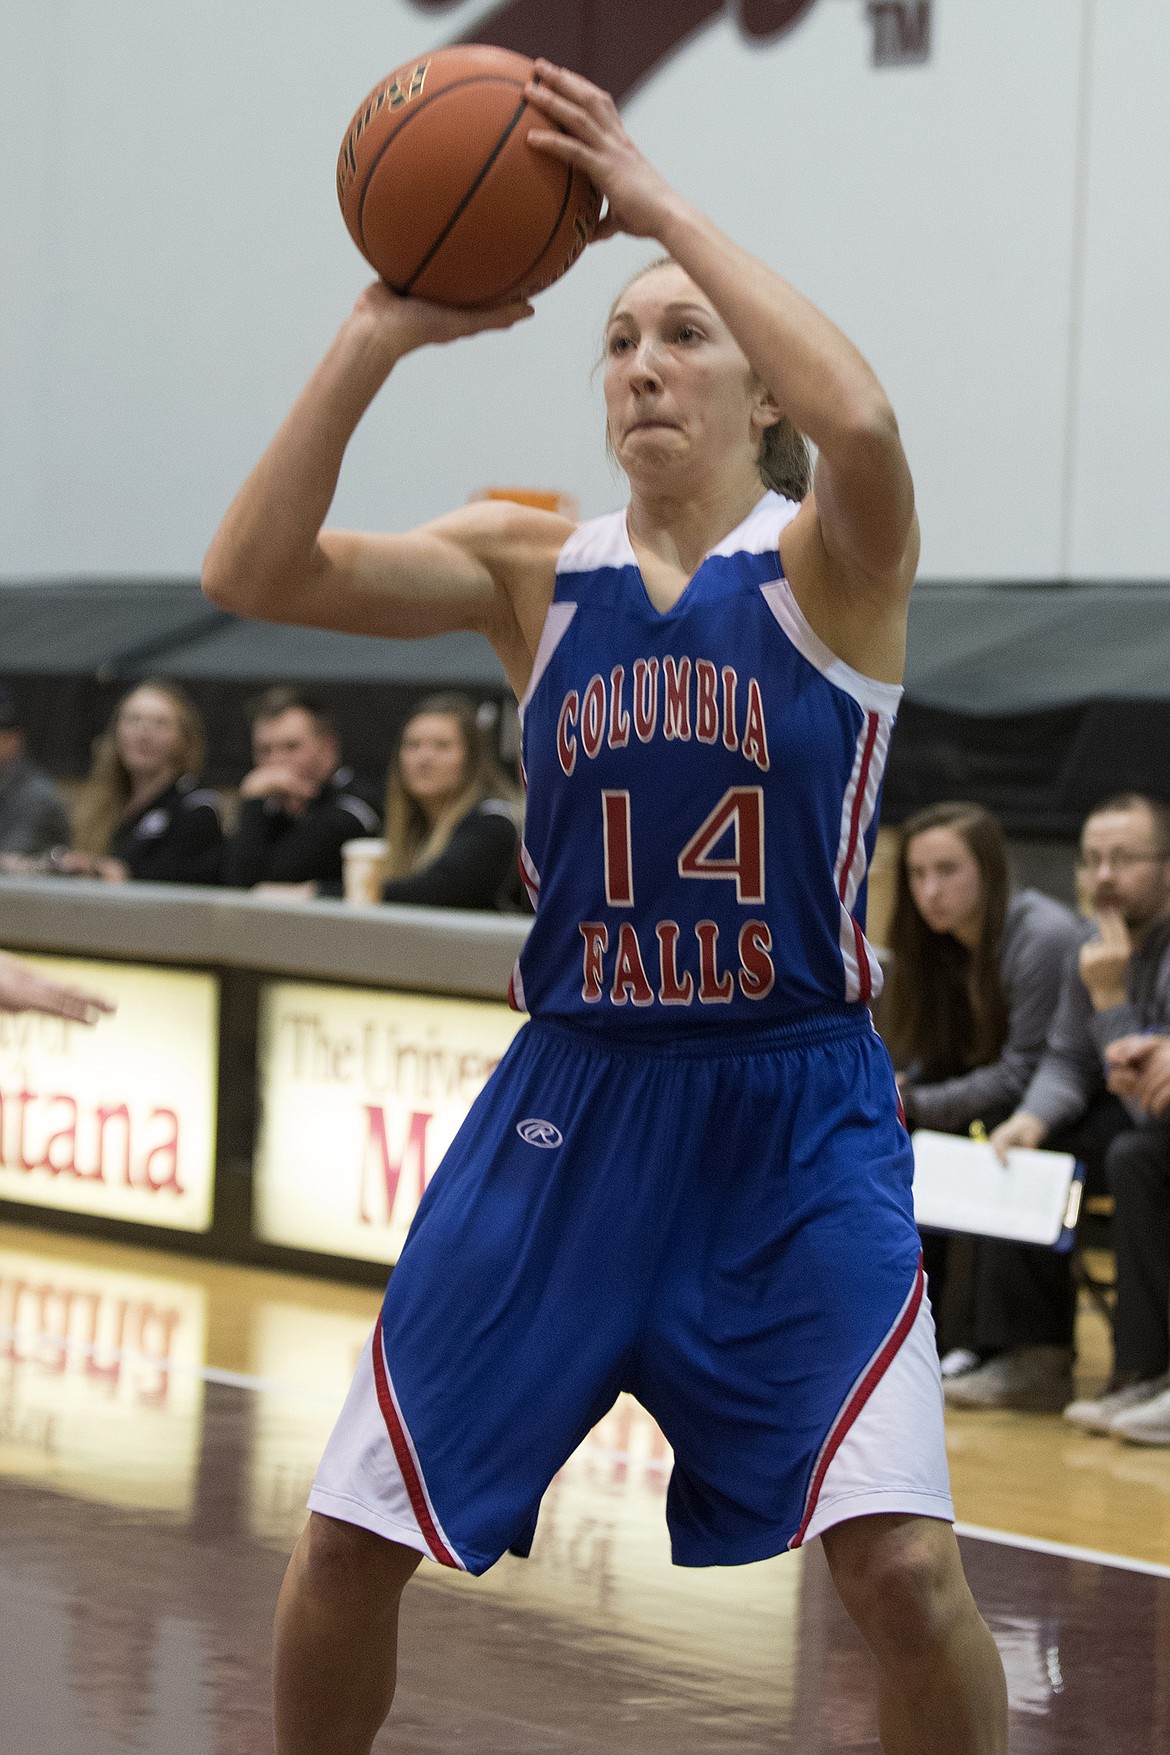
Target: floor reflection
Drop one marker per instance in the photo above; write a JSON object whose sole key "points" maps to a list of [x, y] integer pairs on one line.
{"points": [[158, 1430]]}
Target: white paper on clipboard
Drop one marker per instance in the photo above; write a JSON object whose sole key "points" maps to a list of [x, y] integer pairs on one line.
{"points": [[960, 1185]]}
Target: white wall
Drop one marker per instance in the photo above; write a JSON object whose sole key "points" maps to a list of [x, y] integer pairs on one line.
{"points": [[991, 228]]}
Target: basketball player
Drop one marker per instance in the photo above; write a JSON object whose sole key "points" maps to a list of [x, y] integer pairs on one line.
{"points": [[687, 1178]]}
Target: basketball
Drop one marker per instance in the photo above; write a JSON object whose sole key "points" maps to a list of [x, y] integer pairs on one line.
{"points": [[442, 193]]}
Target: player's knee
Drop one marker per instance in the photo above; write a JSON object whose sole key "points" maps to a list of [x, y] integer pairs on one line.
{"points": [[340, 1562], [905, 1589]]}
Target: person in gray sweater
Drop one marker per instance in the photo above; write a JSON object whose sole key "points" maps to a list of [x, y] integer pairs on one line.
{"points": [[1117, 985], [976, 976]]}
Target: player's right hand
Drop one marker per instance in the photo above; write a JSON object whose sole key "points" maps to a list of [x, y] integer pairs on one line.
{"points": [[406, 324], [1020, 1131]]}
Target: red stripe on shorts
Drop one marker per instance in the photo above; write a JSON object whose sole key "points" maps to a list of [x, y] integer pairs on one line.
{"points": [[406, 1462], [857, 1400]]}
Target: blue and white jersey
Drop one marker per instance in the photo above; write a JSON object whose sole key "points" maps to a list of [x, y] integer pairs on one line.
{"points": [[703, 790]]}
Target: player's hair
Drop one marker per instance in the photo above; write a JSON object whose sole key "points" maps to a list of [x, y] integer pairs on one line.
{"points": [[944, 1008], [284, 698], [1159, 813], [412, 840], [104, 795], [783, 458]]}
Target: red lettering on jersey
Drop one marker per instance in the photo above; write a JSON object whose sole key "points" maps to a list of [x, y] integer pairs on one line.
{"points": [[629, 975], [672, 991], [730, 735], [593, 717], [596, 936], [757, 975], [676, 698], [714, 988], [566, 744], [619, 719], [755, 737], [645, 698], [707, 701], [619, 858], [743, 808]]}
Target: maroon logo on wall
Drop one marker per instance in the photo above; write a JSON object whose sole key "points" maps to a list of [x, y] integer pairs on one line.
{"points": [[617, 43]]}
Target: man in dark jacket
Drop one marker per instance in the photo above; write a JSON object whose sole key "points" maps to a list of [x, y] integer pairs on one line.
{"points": [[33, 816], [297, 805]]}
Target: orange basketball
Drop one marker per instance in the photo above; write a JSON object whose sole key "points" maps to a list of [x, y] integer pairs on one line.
{"points": [[441, 191]]}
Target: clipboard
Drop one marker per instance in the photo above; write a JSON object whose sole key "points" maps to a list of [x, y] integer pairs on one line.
{"points": [[960, 1185]]}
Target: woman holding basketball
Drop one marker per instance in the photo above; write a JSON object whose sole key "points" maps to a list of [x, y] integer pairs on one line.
{"points": [[687, 1178]]}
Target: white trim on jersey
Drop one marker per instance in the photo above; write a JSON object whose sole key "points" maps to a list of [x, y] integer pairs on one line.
{"points": [[874, 696], [857, 809], [556, 626], [760, 531], [529, 875], [601, 542]]}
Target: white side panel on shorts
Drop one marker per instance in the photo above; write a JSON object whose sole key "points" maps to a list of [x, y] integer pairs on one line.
{"points": [[893, 1457], [359, 1479]]}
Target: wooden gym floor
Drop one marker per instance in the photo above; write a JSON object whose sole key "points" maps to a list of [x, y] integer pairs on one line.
{"points": [[160, 1420]]}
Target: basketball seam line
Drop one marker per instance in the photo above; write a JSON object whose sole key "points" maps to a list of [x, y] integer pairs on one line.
{"points": [[497, 149], [548, 242], [424, 104]]}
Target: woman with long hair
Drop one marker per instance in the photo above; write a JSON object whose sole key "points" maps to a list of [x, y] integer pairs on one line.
{"points": [[142, 812], [452, 814], [976, 973], [687, 1177]]}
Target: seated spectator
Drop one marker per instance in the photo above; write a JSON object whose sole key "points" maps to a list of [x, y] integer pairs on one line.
{"points": [[141, 813], [451, 814], [1117, 985], [33, 815], [1136, 1402], [976, 975], [298, 806]]}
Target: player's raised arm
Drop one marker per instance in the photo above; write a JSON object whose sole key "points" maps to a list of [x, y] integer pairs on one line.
{"points": [[270, 557], [852, 553]]}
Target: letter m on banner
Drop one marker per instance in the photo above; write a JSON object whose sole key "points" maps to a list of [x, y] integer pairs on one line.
{"points": [[381, 1166], [901, 32]]}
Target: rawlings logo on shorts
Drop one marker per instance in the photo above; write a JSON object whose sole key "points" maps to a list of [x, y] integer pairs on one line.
{"points": [[540, 1133]]}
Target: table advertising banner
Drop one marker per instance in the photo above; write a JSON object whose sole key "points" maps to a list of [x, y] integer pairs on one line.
{"points": [[114, 1119], [361, 1093]]}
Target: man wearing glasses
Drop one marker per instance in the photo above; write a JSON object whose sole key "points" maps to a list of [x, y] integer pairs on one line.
{"points": [[1117, 987]]}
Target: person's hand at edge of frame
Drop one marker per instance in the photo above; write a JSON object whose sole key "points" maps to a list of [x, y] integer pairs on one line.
{"points": [[23, 989]]}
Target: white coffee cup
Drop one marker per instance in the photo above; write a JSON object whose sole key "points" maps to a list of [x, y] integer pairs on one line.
{"points": [[363, 863]]}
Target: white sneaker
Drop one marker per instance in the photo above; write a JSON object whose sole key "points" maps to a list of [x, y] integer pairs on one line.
{"points": [[959, 1361], [1148, 1424], [1099, 1414]]}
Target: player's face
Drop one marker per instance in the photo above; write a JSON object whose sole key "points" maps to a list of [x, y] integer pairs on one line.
{"points": [[946, 884], [432, 758], [148, 735], [1122, 869], [678, 390]]}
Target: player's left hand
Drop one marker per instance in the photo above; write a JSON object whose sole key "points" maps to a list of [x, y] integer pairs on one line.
{"points": [[637, 196]]}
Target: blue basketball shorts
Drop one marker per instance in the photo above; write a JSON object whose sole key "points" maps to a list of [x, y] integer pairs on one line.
{"points": [[722, 1227]]}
